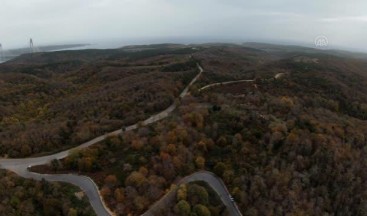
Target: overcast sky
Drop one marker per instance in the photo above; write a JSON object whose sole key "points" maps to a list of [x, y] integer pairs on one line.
{"points": [[344, 23]]}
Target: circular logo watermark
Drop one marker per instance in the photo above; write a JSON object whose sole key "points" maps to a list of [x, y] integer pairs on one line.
{"points": [[321, 41]]}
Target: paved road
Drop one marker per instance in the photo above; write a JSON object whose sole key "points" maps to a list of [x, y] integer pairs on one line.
{"points": [[20, 166], [215, 182], [223, 83], [85, 183]]}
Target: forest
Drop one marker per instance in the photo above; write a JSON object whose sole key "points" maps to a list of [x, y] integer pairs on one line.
{"points": [[28, 197], [50, 102], [195, 199], [290, 146]]}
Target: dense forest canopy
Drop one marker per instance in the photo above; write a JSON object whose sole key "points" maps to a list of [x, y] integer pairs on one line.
{"points": [[291, 145], [52, 101], [28, 197]]}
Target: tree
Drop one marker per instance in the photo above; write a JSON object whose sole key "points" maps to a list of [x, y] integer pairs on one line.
{"points": [[85, 164], [105, 192], [144, 171], [222, 141], [194, 119], [228, 175], [200, 162], [52, 206], [182, 192], [26, 150], [140, 203], [136, 144], [202, 146], [176, 161], [71, 160], [183, 208], [55, 164], [171, 149], [201, 210], [286, 103], [135, 179], [119, 195], [219, 168], [197, 194], [72, 212], [110, 180], [113, 140]]}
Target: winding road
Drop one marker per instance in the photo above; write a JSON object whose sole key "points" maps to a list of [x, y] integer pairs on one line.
{"points": [[223, 83], [20, 167], [211, 179]]}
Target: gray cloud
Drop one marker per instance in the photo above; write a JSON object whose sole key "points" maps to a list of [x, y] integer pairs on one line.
{"points": [[49, 21]]}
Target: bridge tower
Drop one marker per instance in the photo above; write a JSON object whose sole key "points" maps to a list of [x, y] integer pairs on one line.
{"points": [[1, 53], [31, 47]]}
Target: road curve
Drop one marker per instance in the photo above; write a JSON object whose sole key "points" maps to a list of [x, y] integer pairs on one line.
{"points": [[212, 180], [20, 166], [83, 182], [223, 83]]}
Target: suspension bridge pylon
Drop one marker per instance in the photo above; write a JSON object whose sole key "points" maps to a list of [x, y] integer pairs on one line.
{"points": [[31, 46], [1, 53]]}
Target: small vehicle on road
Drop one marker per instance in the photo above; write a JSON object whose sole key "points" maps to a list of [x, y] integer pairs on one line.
{"points": [[231, 198]]}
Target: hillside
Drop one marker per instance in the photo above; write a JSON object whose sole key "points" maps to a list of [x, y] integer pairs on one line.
{"points": [[295, 145], [53, 101]]}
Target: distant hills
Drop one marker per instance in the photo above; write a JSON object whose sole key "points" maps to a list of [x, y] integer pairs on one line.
{"points": [[293, 49]]}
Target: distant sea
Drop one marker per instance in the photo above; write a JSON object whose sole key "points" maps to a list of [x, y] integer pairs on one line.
{"points": [[11, 54], [111, 44], [4, 60]]}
